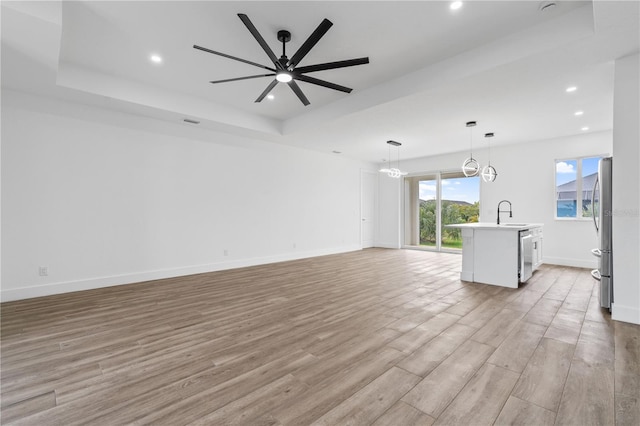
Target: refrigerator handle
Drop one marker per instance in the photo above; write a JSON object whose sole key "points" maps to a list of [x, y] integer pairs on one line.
{"points": [[593, 203]]}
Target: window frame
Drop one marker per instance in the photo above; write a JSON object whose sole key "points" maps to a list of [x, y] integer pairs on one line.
{"points": [[579, 187], [437, 176]]}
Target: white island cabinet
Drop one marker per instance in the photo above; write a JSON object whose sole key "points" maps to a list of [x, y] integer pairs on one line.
{"points": [[502, 255]]}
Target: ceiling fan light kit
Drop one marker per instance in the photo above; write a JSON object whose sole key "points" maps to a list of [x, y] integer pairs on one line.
{"points": [[286, 70], [283, 77]]}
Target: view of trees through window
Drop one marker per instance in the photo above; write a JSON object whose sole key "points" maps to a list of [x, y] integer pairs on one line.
{"points": [[453, 211], [444, 199]]}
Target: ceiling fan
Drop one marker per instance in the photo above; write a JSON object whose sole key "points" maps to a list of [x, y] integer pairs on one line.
{"points": [[286, 70]]}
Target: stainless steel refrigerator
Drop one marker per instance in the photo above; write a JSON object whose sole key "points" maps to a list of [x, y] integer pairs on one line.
{"points": [[601, 208]]}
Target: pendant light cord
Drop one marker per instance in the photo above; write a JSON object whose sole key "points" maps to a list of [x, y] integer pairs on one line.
{"points": [[489, 136], [471, 125]]}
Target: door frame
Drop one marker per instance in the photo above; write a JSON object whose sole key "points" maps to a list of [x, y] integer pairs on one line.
{"points": [[437, 176]]}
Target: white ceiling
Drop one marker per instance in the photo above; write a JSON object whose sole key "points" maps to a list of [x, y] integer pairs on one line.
{"points": [[505, 64]]}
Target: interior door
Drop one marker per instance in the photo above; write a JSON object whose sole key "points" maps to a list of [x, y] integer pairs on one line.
{"points": [[368, 207]]}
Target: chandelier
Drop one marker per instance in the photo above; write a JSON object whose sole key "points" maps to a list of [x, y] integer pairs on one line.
{"points": [[489, 173], [391, 171], [471, 167]]}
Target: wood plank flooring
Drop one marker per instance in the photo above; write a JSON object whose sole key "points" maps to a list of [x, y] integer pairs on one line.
{"points": [[384, 337]]}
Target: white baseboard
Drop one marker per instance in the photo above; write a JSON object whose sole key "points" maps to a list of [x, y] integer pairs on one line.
{"points": [[576, 263], [624, 313], [28, 292], [387, 245], [466, 276]]}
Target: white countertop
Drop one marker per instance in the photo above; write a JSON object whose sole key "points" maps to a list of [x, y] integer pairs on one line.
{"points": [[491, 225]]}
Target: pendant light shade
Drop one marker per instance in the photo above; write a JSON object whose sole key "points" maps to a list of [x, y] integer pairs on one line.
{"points": [[489, 173], [471, 167], [391, 171]]}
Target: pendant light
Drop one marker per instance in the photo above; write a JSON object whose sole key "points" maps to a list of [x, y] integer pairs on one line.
{"points": [[393, 172], [489, 173], [471, 167]]}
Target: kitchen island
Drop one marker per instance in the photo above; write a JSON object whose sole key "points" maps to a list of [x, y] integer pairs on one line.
{"points": [[503, 255]]}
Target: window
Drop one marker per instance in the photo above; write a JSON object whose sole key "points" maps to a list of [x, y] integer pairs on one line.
{"points": [[436, 200], [574, 184]]}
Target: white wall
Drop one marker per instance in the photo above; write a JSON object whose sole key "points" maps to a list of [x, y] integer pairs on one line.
{"points": [[104, 198], [526, 174], [389, 213], [626, 192]]}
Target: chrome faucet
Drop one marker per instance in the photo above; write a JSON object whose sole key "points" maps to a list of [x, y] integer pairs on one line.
{"points": [[504, 211]]}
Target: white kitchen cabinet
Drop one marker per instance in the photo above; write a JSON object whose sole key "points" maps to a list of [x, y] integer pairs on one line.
{"points": [[491, 253], [537, 247]]}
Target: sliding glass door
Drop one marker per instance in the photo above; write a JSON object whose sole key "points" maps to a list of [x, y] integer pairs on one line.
{"points": [[435, 200]]}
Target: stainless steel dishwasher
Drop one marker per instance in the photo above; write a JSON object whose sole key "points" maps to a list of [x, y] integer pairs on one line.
{"points": [[525, 255]]}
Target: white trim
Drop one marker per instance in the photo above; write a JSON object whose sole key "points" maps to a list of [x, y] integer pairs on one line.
{"points": [[624, 313], [421, 248], [438, 211], [31, 291], [388, 245], [466, 276], [576, 263]]}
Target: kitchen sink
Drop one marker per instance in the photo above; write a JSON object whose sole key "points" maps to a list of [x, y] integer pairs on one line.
{"points": [[514, 224]]}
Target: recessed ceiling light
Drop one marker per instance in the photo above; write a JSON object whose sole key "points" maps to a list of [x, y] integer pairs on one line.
{"points": [[156, 59], [578, 113], [455, 5], [571, 89], [584, 129], [270, 97]]}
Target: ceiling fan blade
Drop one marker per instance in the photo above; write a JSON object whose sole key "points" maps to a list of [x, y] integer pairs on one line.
{"points": [[310, 42], [322, 83], [333, 65], [254, 31], [267, 90], [241, 78], [204, 49], [296, 89]]}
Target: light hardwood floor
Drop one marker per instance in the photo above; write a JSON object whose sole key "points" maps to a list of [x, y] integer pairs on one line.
{"points": [[384, 337]]}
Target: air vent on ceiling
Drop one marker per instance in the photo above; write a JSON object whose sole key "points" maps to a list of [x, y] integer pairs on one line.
{"points": [[547, 6]]}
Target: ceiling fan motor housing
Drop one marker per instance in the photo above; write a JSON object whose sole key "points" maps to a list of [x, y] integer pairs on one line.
{"points": [[284, 36], [283, 61]]}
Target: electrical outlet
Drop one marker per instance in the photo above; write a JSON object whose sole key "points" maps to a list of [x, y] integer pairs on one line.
{"points": [[294, 245], [43, 271], [226, 252]]}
